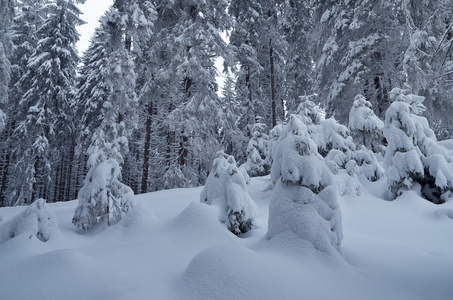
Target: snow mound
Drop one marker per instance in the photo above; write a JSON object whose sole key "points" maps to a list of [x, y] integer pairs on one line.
{"points": [[138, 219], [199, 218], [37, 220], [45, 271], [235, 272], [220, 272], [312, 217]]}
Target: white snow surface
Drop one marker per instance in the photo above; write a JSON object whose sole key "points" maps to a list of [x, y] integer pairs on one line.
{"points": [[170, 246]]}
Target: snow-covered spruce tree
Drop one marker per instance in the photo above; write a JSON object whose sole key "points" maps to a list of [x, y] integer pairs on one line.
{"points": [[103, 196], [308, 111], [333, 139], [365, 127], [6, 80], [368, 165], [138, 22], [246, 43], [258, 49], [257, 163], [6, 17], [427, 60], [303, 204], [231, 137], [413, 155], [357, 46], [42, 118], [187, 39], [296, 24], [336, 145], [226, 188]]}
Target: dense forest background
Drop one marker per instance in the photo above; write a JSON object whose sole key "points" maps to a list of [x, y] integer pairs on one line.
{"points": [[144, 96]]}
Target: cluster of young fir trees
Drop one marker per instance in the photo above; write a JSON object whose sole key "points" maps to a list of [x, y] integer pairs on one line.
{"points": [[140, 109]]}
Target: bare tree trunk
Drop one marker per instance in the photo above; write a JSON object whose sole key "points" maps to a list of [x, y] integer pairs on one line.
{"points": [[145, 173], [271, 58], [250, 113]]}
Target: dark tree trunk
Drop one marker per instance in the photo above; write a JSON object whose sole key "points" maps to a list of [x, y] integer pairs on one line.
{"points": [[250, 113], [145, 173], [271, 58]]}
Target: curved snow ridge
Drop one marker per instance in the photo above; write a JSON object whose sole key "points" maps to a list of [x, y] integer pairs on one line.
{"points": [[447, 212]]}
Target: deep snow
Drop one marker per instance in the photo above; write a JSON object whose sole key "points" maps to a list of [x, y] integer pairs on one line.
{"points": [[170, 246]]}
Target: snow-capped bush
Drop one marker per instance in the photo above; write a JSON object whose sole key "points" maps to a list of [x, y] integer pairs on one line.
{"points": [[226, 187], [327, 134], [297, 161], [335, 143], [413, 154], [302, 201], [365, 127], [330, 134], [103, 196], [368, 165], [38, 220], [257, 163]]}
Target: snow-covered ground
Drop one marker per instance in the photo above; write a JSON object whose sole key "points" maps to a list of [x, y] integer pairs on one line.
{"points": [[170, 246]]}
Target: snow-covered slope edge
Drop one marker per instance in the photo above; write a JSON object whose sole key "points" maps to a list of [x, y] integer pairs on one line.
{"points": [[170, 246]]}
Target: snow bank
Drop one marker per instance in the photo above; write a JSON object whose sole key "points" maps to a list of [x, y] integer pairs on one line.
{"points": [[37, 220], [398, 249]]}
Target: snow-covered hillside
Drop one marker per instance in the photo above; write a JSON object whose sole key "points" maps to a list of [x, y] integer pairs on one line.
{"points": [[170, 246]]}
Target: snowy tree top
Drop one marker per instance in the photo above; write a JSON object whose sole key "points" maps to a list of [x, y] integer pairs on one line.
{"points": [[309, 112], [414, 101], [362, 118]]}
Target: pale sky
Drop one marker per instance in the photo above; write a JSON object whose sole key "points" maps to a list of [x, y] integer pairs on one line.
{"points": [[92, 10]]}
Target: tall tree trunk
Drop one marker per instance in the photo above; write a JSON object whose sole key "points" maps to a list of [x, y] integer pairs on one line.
{"points": [[183, 153], [58, 181], [169, 142], [271, 59], [250, 113], [68, 178], [145, 173]]}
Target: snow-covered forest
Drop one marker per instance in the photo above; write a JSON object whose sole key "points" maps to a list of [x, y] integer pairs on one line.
{"points": [[323, 107], [145, 95]]}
